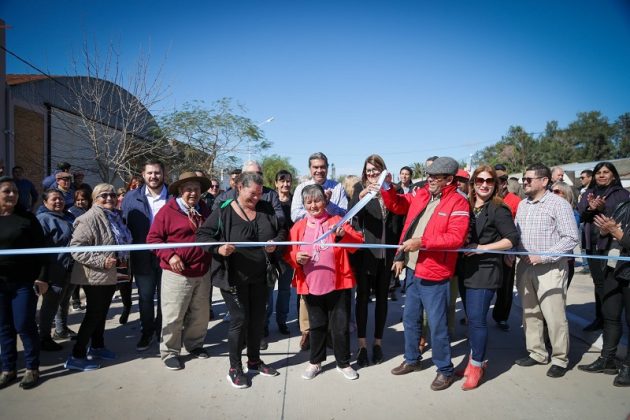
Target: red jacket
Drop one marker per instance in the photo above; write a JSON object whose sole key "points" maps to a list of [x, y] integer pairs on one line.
{"points": [[512, 200], [343, 271], [172, 225], [447, 228]]}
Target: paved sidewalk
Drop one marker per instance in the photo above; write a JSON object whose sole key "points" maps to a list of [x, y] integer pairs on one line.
{"points": [[137, 386]]}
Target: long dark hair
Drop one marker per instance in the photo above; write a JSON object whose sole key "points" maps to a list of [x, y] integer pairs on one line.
{"points": [[615, 182]]}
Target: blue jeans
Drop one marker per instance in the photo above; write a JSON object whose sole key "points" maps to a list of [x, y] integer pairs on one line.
{"points": [[477, 306], [283, 297], [148, 285], [18, 304], [55, 304], [432, 296]]}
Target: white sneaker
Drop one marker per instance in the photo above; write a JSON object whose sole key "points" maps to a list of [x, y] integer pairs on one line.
{"points": [[348, 373], [311, 371]]}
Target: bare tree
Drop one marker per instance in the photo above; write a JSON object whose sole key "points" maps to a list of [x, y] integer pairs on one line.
{"points": [[111, 129]]}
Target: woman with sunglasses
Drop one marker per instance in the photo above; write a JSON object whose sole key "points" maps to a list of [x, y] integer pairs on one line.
{"points": [[481, 274], [373, 266], [603, 195], [96, 272]]}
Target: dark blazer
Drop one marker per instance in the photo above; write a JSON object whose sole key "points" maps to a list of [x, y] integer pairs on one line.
{"points": [[485, 271], [137, 216], [591, 239], [369, 221]]}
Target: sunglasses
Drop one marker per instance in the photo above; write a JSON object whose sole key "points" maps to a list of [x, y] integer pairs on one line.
{"points": [[105, 196], [480, 181], [214, 186], [529, 180], [65, 178]]}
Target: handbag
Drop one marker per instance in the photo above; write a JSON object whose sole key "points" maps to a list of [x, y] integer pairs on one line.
{"points": [[273, 274]]}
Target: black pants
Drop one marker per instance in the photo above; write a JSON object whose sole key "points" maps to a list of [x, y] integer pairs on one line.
{"points": [[503, 304], [97, 299], [615, 297], [331, 309], [380, 281], [124, 288], [598, 268], [248, 308]]}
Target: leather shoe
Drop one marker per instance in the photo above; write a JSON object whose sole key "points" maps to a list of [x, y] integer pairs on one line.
{"points": [[601, 365], [442, 382], [527, 362], [623, 379], [556, 371], [406, 368], [362, 357], [503, 326]]}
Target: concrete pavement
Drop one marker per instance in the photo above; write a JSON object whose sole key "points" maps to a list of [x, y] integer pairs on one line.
{"points": [[137, 386]]}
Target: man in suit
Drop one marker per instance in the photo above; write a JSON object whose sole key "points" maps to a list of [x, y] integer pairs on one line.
{"points": [[139, 209]]}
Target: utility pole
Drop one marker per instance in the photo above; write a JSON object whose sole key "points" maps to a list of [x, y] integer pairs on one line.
{"points": [[4, 99]]}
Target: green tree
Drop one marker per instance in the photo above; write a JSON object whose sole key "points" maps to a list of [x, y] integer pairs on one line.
{"points": [[515, 150], [218, 135], [272, 164], [622, 135], [418, 170], [591, 137]]}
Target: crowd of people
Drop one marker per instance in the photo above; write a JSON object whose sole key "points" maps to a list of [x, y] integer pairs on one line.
{"points": [[486, 213]]}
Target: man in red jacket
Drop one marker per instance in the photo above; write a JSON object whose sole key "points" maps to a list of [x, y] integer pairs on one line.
{"points": [[437, 221]]}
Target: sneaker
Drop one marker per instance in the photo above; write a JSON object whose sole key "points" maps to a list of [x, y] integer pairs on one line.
{"points": [[237, 378], [84, 365], [30, 379], [377, 354], [7, 378], [362, 357], [199, 353], [48, 344], [100, 353], [77, 307], [311, 371], [172, 362], [262, 368], [348, 373], [145, 342], [65, 334]]}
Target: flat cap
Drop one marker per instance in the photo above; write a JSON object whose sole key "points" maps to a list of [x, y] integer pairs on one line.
{"points": [[443, 165]]}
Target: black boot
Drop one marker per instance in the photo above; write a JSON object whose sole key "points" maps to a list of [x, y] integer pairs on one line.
{"points": [[623, 378], [601, 365]]}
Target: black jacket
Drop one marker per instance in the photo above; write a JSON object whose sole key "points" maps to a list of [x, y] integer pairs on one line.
{"points": [[369, 221], [485, 271], [591, 239], [217, 229]]}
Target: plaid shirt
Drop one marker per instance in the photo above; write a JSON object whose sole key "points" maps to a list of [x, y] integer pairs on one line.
{"points": [[546, 225]]}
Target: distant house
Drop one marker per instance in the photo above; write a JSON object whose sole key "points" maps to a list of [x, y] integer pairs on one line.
{"points": [[47, 125]]}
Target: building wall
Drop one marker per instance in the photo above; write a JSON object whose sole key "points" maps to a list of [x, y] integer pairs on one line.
{"points": [[29, 143]]}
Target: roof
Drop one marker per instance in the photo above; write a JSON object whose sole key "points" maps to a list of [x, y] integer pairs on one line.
{"points": [[17, 79]]}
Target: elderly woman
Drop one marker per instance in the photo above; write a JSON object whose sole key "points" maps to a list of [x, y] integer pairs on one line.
{"points": [[96, 272], [57, 226], [21, 280], [185, 277], [603, 195], [324, 277], [481, 274], [240, 273], [373, 266], [82, 203]]}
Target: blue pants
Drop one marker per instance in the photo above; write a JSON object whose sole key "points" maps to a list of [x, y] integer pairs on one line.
{"points": [[55, 304], [18, 304], [477, 306], [432, 296], [148, 285], [283, 297]]}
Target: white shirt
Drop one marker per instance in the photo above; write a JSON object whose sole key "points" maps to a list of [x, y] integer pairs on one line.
{"points": [[338, 204], [156, 203]]}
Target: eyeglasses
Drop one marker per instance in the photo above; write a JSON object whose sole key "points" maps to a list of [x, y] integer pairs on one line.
{"points": [[528, 180], [372, 171], [556, 191], [105, 196], [214, 186], [479, 181], [65, 178]]}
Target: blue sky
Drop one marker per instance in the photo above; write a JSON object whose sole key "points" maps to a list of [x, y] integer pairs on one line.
{"points": [[406, 80]]}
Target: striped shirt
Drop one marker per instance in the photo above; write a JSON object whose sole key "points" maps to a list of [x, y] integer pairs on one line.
{"points": [[546, 225]]}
